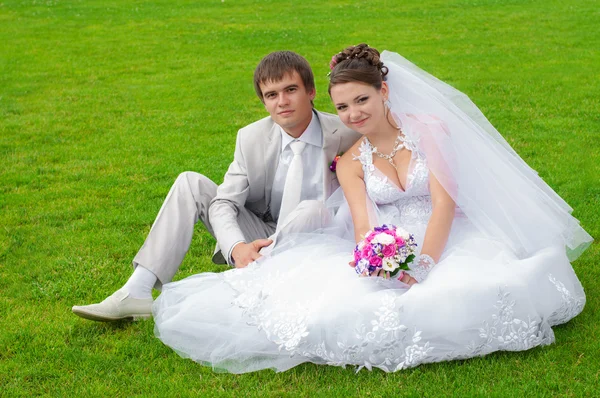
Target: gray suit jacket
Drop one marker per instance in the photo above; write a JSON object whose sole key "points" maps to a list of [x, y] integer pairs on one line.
{"points": [[250, 176]]}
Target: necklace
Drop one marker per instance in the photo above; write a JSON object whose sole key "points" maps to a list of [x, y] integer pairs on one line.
{"points": [[398, 144]]}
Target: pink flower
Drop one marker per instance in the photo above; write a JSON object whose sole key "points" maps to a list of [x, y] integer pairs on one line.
{"points": [[375, 261], [333, 166], [388, 250], [366, 252], [400, 242], [333, 63]]}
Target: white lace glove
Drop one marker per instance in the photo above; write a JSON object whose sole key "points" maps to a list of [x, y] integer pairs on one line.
{"points": [[420, 267]]}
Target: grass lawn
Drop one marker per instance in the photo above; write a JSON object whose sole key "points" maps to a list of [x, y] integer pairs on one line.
{"points": [[104, 103]]}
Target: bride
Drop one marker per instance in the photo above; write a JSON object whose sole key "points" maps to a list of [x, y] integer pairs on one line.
{"points": [[495, 243]]}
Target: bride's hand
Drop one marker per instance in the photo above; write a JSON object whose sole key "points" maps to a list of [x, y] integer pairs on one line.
{"points": [[409, 280], [405, 278]]}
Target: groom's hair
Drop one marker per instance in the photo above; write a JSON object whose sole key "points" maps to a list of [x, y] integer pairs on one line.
{"points": [[276, 65]]}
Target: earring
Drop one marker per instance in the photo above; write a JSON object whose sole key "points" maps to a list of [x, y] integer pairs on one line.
{"points": [[386, 107]]}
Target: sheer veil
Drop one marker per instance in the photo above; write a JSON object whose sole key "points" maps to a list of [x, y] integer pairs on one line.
{"points": [[500, 194]]}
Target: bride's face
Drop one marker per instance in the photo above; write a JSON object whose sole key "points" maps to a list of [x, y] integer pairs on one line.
{"points": [[360, 106]]}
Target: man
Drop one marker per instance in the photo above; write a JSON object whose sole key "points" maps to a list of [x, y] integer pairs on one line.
{"points": [[275, 185]]}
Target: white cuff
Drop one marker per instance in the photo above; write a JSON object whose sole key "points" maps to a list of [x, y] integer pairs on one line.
{"points": [[420, 268]]}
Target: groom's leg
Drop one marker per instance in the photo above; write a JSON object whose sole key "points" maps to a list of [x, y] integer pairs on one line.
{"points": [[253, 227], [163, 251], [308, 216], [171, 234]]}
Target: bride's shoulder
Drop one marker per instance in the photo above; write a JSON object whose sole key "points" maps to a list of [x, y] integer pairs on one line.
{"points": [[361, 146], [349, 160]]}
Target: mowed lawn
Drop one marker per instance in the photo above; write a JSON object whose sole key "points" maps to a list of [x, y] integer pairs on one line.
{"points": [[104, 103]]}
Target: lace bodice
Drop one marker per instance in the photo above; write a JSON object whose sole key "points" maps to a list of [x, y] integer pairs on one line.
{"points": [[413, 203]]}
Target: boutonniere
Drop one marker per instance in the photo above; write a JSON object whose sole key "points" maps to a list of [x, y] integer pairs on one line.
{"points": [[333, 164]]}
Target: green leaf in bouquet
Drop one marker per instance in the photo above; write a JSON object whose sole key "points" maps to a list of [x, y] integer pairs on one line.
{"points": [[393, 274]]}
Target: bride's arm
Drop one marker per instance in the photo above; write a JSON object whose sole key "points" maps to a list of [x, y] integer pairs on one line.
{"points": [[438, 229], [350, 176]]}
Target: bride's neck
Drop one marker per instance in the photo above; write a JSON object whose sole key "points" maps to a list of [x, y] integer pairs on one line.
{"points": [[384, 139]]}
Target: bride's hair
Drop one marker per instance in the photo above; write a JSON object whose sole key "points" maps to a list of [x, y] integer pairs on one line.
{"points": [[359, 63]]}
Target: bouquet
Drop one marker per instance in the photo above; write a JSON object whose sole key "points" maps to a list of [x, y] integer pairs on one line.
{"points": [[387, 247]]}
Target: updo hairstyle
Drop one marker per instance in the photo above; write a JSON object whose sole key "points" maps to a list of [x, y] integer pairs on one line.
{"points": [[359, 63]]}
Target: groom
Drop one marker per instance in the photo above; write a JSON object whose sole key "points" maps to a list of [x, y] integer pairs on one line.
{"points": [[276, 185]]}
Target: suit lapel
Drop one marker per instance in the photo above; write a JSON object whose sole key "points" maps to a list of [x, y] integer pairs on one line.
{"points": [[331, 146]]}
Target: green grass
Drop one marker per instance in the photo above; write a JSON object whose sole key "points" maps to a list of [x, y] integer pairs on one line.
{"points": [[103, 103]]}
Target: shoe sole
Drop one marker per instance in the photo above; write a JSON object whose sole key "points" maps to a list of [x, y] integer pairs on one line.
{"points": [[104, 318]]}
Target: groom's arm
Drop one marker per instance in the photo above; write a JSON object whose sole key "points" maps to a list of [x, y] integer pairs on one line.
{"points": [[231, 196]]}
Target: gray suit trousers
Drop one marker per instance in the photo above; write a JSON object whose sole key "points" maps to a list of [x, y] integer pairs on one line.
{"points": [[171, 234], [187, 203]]}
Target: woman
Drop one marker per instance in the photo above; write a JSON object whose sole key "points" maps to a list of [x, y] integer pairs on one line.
{"points": [[491, 273]]}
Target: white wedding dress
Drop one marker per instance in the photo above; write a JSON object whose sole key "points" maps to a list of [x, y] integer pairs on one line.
{"points": [[304, 303]]}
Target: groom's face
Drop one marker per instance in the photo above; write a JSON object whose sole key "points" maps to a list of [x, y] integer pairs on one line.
{"points": [[289, 103]]}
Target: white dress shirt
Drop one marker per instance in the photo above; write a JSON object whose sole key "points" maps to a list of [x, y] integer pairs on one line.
{"points": [[312, 159]]}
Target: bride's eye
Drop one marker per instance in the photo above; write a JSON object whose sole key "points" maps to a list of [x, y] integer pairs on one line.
{"points": [[341, 107], [362, 99]]}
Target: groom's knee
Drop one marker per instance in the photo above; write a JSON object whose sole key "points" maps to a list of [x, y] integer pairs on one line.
{"points": [[190, 178], [311, 207], [196, 183], [309, 215]]}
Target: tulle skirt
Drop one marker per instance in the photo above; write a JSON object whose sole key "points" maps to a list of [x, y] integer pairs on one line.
{"points": [[304, 303]]}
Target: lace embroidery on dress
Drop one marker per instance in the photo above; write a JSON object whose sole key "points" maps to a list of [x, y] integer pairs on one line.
{"points": [[247, 284], [378, 185], [509, 333], [505, 332], [414, 203], [284, 322], [384, 342], [380, 341], [571, 305]]}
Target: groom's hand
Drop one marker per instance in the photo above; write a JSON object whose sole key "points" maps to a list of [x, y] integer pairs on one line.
{"points": [[244, 253]]}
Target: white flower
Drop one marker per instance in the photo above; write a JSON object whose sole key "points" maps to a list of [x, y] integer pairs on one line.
{"points": [[388, 264], [384, 239], [402, 233]]}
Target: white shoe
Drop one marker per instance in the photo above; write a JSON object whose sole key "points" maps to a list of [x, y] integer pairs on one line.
{"points": [[116, 307]]}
